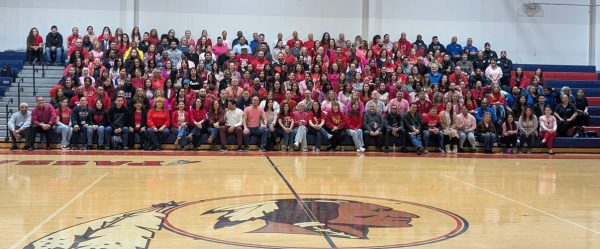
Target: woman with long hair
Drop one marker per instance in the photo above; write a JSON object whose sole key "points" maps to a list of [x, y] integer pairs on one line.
{"points": [[353, 125], [35, 46], [63, 123], [286, 125], [528, 129], [180, 119], [450, 128], [214, 118], [509, 134], [316, 124]]}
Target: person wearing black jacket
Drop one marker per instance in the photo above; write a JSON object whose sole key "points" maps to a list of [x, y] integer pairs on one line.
{"points": [[118, 117], [99, 123], [436, 45], [137, 123], [81, 119], [506, 65], [54, 47], [414, 126], [394, 128]]}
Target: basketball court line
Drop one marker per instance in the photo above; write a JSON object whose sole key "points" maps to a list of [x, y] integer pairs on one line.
{"points": [[522, 204], [302, 204], [39, 226]]}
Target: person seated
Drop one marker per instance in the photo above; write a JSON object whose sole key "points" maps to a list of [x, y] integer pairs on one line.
{"points": [[581, 103], [35, 44], [180, 119], [119, 122], [528, 129], [19, 124], [81, 120], [414, 126], [158, 121], [198, 122], [450, 128], [373, 125], [232, 125], [566, 115], [487, 132], [466, 124], [54, 47], [316, 125], [42, 120], [100, 125], [509, 134], [432, 125], [255, 124], [479, 113], [285, 120], [354, 122], [137, 123], [548, 128], [300, 127], [394, 128], [63, 123], [379, 105]]}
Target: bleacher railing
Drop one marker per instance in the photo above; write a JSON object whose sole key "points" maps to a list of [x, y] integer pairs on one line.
{"points": [[6, 118]]}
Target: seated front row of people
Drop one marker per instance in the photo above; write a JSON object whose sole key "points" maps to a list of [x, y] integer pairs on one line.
{"points": [[119, 127]]}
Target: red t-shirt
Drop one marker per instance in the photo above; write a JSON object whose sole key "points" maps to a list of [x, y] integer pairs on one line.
{"points": [[431, 121]]}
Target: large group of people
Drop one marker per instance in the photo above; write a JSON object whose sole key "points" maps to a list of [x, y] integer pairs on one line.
{"points": [[378, 92]]}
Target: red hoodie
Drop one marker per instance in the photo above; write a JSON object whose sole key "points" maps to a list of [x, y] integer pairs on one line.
{"points": [[354, 121], [335, 119]]}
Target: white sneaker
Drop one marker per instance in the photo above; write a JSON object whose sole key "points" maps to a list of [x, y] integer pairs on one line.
{"points": [[544, 141], [296, 144], [362, 149], [329, 136]]}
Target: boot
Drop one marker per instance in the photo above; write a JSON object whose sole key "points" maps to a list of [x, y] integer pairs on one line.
{"points": [[454, 149], [448, 149]]}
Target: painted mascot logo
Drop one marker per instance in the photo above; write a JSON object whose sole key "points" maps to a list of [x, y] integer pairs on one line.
{"points": [[338, 218]]}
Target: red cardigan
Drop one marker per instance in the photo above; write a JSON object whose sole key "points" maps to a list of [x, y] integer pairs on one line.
{"points": [[175, 119]]}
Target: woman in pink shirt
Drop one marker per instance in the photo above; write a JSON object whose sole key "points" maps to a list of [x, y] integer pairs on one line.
{"points": [[548, 128]]}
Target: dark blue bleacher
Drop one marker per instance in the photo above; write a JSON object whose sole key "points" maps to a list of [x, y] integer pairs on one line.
{"points": [[12, 55], [556, 68], [574, 84], [594, 110]]}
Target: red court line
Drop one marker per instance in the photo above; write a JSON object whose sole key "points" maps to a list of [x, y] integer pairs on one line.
{"points": [[309, 154]]}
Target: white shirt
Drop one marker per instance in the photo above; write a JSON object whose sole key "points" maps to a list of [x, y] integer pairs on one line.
{"points": [[234, 118]]}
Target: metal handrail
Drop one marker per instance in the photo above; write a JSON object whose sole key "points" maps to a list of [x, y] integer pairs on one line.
{"points": [[19, 91], [8, 113], [34, 72]]}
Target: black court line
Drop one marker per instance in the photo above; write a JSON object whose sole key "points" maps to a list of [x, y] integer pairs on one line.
{"points": [[299, 199]]}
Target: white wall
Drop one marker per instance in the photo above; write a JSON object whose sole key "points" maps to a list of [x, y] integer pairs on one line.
{"points": [[560, 37], [19, 16], [264, 16]]}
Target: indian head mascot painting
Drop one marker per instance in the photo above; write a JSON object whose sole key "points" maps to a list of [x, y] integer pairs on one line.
{"points": [[338, 218]]}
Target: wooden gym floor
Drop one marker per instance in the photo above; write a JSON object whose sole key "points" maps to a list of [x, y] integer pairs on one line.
{"points": [[168, 199]]}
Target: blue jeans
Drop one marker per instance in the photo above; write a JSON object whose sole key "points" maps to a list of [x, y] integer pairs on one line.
{"points": [[181, 134], [500, 111], [415, 140], [125, 134], [357, 137], [65, 132], [439, 137], [288, 137], [466, 135], [262, 132], [154, 140], [488, 140], [104, 133], [48, 55]]}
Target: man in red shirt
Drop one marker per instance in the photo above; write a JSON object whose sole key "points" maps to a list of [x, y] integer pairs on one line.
{"points": [[244, 58], [254, 124], [310, 43], [403, 44], [43, 118], [78, 46], [423, 104], [260, 62], [458, 76], [291, 42], [432, 126]]}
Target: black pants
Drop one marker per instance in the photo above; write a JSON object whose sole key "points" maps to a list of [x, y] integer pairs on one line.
{"points": [[34, 130], [529, 139], [337, 137], [33, 54], [390, 139], [142, 136], [510, 141], [24, 133], [450, 140], [373, 140]]}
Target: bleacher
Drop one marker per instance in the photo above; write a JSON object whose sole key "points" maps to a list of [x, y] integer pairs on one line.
{"points": [[576, 77]]}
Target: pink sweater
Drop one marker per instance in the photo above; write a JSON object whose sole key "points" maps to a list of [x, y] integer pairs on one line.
{"points": [[547, 124], [466, 123]]}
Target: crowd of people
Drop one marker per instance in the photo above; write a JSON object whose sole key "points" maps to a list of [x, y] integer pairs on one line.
{"points": [[378, 92]]}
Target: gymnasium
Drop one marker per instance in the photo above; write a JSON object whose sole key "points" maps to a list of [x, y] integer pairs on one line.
{"points": [[149, 124]]}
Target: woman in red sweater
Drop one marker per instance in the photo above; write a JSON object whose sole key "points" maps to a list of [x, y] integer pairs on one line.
{"points": [[34, 46], [158, 122], [63, 123], [334, 124], [180, 119], [354, 121], [197, 121]]}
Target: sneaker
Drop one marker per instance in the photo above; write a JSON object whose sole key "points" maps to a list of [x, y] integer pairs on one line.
{"points": [[223, 149], [240, 149], [442, 151], [125, 148], [544, 141], [262, 149], [362, 149], [426, 151], [473, 150], [48, 147], [419, 150], [85, 147], [304, 149], [317, 150], [296, 145], [550, 152], [329, 136], [64, 147]]}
